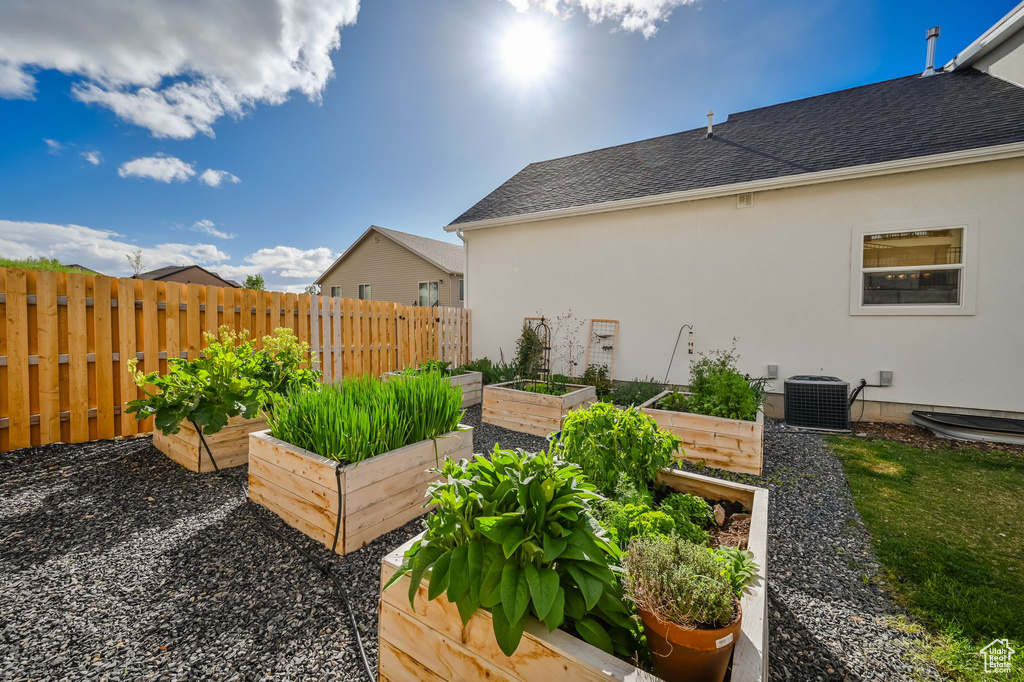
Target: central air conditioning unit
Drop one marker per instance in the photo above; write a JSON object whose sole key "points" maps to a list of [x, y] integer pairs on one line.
{"points": [[817, 402]]}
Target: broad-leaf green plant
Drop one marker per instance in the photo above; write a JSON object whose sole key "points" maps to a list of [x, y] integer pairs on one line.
{"points": [[606, 441], [516, 534]]}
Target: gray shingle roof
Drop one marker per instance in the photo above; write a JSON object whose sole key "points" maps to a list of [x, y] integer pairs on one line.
{"points": [[449, 257], [896, 119], [169, 270]]}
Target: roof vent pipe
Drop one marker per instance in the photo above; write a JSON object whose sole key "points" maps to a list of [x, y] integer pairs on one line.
{"points": [[711, 116], [932, 37]]}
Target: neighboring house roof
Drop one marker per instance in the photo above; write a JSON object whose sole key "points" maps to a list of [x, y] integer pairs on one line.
{"points": [[82, 268], [893, 120], [447, 256], [167, 271]]}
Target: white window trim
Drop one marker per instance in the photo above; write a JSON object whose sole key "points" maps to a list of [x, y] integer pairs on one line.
{"points": [[359, 291], [338, 287], [969, 268], [428, 283]]}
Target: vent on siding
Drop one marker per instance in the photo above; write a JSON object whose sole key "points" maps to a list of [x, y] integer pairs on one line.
{"points": [[817, 402], [745, 200]]}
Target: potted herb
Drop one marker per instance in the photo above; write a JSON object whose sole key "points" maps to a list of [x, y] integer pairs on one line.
{"points": [[350, 462], [218, 396], [513, 546], [719, 419], [690, 609], [468, 381]]}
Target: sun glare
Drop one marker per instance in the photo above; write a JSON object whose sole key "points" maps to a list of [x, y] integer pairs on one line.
{"points": [[527, 51]]}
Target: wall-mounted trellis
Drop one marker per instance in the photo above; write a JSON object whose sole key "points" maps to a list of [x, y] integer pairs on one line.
{"points": [[604, 337]]}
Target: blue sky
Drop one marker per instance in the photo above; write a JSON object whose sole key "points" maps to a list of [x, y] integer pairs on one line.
{"points": [[419, 120]]}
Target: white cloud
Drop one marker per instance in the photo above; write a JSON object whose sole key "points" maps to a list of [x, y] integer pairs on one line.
{"points": [[93, 157], [174, 68], [15, 83], [285, 268], [631, 15], [213, 178], [102, 250], [53, 147], [209, 227], [163, 168]]}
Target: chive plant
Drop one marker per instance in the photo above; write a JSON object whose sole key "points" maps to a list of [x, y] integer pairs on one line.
{"points": [[365, 417]]}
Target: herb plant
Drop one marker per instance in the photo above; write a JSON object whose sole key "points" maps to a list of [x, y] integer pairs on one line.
{"points": [[365, 417], [718, 389], [516, 534], [678, 581], [606, 441], [281, 363], [690, 516], [738, 566], [597, 376], [492, 372], [435, 366], [635, 392]]}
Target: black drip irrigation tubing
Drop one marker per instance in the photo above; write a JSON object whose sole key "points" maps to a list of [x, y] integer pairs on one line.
{"points": [[325, 569]]}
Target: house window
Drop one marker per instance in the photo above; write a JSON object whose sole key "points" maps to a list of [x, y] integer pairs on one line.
{"points": [[462, 290], [335, 292], [428, 293], [920, 267], [364, 292], [915, 268]]}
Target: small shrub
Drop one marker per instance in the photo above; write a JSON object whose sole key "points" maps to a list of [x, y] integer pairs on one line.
{"points": [[606, 441], [365, 417], [529, 354], [516, 534], [717, 389], [678, 581], [281, 363]]}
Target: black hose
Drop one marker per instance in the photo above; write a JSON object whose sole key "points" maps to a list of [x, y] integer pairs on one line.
{"points": [[325, 569]]}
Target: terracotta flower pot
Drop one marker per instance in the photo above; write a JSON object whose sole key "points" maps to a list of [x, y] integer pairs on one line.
{"points": [[681, 654]]}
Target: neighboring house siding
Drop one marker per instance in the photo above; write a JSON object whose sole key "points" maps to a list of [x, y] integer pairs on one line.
{"points": [[776, 276], [195, 276], [1006, 61], [393, 272]]}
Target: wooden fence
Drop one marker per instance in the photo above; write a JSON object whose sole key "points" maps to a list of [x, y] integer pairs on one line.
{"points": [[65, 340]]}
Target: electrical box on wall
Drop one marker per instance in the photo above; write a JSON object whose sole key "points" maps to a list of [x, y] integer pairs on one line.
{"points": [[773, 372], [885, 378]]}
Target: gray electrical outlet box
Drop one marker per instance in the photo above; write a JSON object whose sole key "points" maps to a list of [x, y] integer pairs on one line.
{"points": [[885, 378], [773, 372]]}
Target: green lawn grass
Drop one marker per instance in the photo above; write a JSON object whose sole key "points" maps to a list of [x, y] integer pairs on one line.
{"points": [[37, 264], [948, 526]]}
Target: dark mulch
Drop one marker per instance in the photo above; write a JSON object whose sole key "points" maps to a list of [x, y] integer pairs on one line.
{"points": [[924, 439]]}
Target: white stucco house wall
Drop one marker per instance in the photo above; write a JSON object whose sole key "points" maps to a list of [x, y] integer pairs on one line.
{"points": [[879, 228]]}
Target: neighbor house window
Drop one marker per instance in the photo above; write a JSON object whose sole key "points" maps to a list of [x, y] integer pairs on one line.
{"points": [[919, 267], [364, 292], [462, 290], [335, 292], [428, 293]]}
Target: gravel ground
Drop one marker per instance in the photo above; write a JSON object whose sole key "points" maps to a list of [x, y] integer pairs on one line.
{"points": [[116, 563]]}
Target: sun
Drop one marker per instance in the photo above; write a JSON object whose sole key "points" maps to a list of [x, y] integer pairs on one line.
{"points": [[527, 51]]}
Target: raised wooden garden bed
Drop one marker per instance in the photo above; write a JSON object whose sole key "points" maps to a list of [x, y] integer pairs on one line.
{"points": [[507, 406], [377, 495], [430, 642], [230, 445], [471, 383], [730, 444]]}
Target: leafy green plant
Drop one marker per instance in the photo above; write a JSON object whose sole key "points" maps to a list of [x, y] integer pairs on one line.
{"points": [[606, 441], [437, 367], [626, 521], [597, 376], [738, 566], [281, 364], [529, 354], [516, 534], [553, 387], [690, 515], [41, 263], [222, 383], [365, 417], [635, 392], [678, 581], [718, 389]]}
